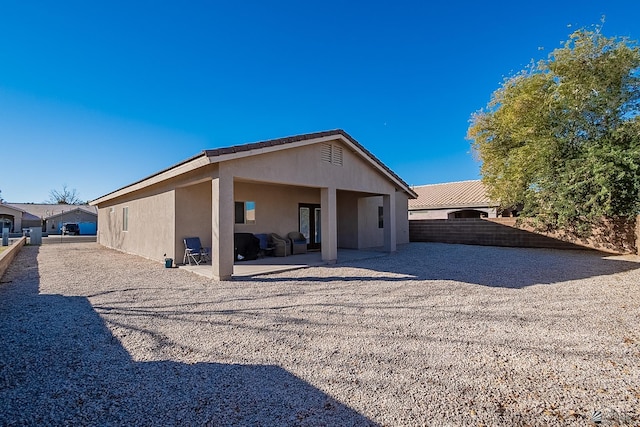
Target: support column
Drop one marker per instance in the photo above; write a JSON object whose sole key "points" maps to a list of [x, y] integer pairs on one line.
{"points": [[329, 225], [222, 205], [389, 218]]}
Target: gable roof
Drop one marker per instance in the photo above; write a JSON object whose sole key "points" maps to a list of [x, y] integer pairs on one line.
{"points": [[78, 209], [47, 210], [11, 207], [460, 194], [237, 151]]}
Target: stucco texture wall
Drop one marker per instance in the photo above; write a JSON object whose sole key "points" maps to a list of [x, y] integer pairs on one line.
{"points": [[193, 215], [15, 218], [304, 166], [276, 206], [151, 225]]}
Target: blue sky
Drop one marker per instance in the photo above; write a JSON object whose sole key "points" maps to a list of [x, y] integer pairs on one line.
{"points": [[96, 95]]}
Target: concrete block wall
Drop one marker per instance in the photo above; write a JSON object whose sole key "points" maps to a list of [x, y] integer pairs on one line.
{"points": [[618, 237], [494, 232]]}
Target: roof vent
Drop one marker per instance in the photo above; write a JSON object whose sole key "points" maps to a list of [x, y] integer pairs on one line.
{"points": [[331, 154]]}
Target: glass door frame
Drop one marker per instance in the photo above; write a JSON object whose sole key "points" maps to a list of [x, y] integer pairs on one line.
{"points": [[315, 235]]}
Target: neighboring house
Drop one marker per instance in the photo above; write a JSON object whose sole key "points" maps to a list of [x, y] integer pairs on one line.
{"points": [[11, 218], [464, 199], [324, 184], [87, 220], [51, 217]]}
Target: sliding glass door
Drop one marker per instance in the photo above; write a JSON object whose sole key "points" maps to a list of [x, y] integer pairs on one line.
{"points": [[309, 219]]}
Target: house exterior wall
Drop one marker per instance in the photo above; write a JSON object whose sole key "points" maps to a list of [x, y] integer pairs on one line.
{"points": [[151, 225], [153, 213], [348, 229], [370, 235], [17, 218], [276, 206], [193, 215], [303, 166], [402, 222]]}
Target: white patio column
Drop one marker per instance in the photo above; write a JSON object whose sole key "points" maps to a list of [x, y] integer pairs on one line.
{"points": [[222, 211], [329, 225], [389, 219]]}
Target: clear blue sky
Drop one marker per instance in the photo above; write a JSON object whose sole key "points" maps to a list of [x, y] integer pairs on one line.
{"points": [[97, 95]]}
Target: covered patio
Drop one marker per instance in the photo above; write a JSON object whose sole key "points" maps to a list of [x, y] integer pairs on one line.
{"points": [[270, 265]]}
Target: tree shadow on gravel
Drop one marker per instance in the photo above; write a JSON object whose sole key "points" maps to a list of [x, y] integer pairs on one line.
{"points": [[60, 365], [491, 266]]}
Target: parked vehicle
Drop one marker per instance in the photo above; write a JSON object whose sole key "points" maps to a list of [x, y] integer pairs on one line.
{"points": [[71, 228]]}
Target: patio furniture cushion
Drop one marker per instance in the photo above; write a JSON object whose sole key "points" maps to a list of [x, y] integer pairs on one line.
{"points": [[281, 244], [265, 247], [298, 242]]}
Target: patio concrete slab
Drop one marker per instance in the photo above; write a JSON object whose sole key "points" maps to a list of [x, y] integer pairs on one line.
{"points": [[269, 265]]}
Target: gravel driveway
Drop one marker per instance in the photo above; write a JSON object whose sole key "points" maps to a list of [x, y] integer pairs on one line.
{"points": [[433, 335]]}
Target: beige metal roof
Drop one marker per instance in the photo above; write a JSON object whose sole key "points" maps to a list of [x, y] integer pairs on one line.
{"points": [[451, 195]]}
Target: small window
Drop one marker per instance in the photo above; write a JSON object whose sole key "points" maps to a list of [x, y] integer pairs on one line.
{"points": [[245, 212], [380, 217], [125, 219]]}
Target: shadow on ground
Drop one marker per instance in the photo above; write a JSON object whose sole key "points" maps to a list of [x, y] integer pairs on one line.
{"points": [[60, 364], [481, 265]]}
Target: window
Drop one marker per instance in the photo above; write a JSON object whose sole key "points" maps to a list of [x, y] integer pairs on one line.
{"points": [[245, 212], [380, 217], [125, 219]]}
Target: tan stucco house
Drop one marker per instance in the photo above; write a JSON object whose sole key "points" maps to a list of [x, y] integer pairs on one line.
{"points": [[325, 184], [451, 200], [11, 218]]}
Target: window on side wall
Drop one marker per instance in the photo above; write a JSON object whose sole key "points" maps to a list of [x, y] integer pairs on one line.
{"points": [[380, 217], [125, 219], [245, 212]]}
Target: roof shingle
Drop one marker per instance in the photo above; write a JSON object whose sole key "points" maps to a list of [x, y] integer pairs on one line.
{"points": [[45, 210], [451, 195]]}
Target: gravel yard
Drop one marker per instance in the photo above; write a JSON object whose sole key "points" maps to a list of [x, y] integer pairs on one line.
{"points": [[433, 335]]}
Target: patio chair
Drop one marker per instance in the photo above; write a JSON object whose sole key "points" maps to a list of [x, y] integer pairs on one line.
{"points": [[281, 245], [194, 252], [265, 247], [298, 242]]}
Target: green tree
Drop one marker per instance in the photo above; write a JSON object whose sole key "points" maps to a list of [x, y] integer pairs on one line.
{"points": [[562, 138]]}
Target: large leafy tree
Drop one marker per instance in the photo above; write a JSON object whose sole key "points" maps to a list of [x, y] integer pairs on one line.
{"points": [[562, 138]]}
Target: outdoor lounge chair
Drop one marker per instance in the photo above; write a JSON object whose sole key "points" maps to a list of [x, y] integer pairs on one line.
{"points": [[265, 247], [298, 242], [194, 252], [281, 245]]}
